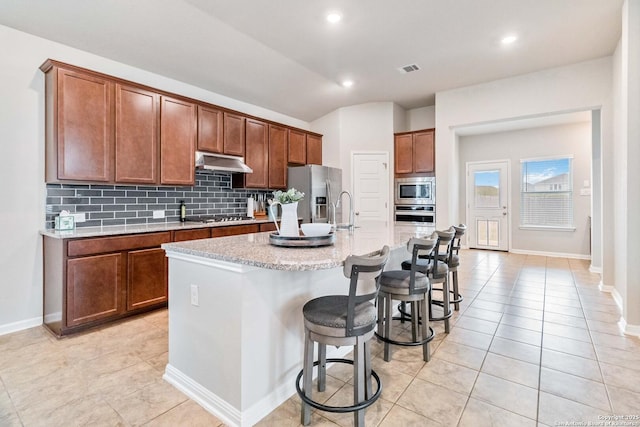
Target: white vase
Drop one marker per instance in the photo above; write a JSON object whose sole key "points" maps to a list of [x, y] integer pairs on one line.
{"points": [[289, 220]]}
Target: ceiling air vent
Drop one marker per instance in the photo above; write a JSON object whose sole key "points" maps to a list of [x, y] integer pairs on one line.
{"points": [[408, 68]]}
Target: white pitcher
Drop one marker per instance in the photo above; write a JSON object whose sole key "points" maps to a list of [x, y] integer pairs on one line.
{"points": [[289, 220]]}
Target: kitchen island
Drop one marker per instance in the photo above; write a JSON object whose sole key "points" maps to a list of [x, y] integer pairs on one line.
{"points": [[235, 313]]}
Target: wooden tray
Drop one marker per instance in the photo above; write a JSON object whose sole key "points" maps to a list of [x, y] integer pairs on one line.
{"points": [[301, 241]]}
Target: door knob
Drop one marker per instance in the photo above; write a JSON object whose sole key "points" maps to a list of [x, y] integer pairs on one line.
{"points": [[357, 213], [504, 213]]}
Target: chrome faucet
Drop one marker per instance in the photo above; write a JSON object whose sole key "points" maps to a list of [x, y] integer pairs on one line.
{"points": [[351, 224]]}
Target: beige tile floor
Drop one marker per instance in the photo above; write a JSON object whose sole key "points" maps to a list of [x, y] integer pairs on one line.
{"points": [[534, 343]]}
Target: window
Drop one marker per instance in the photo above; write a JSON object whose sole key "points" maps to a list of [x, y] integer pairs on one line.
{"points": [[546, 195]]}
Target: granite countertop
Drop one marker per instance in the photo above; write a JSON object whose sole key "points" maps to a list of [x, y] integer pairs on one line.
{"points": [[255, 250], [114, 230]]}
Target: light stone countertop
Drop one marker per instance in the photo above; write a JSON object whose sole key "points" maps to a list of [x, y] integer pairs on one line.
{"points": [[255, 250], [114, 230]]}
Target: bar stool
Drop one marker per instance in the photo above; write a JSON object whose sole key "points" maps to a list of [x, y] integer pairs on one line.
{"points": [[408, 286], [439, 273], [454, 263], [344, 320], [437, 269]]}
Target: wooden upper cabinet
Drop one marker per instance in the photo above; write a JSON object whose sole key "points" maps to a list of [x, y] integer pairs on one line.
{"points": [[297, 147], [278, 156], [257, 154], [423, 152], [234, 137], [79, 107], [210, 130], [136, 135], [314, 149], [414, 153], [177, 141], [403, 152]]}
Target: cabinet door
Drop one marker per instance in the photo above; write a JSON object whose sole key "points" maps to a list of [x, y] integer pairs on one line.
{"points": [[314, 150], [146, 278], [423, 152], [94, 288], [210, 135], [84, 118], [297, 147], [233, 134], [136, 135], [277, 157], [257, 154], [177, 142], [403, 153]]}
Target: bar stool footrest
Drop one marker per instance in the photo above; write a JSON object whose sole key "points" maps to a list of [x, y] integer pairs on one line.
{"points": [[407, 343], [451, 301], [339, 409], [407, 316]]}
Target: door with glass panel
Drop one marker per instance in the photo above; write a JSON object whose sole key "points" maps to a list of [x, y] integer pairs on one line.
{"points": [[488, 205]]}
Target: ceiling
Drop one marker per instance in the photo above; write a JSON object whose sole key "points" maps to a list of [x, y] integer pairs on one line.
{"points": [[283, 55]]}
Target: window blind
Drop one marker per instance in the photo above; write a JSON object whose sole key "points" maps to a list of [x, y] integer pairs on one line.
{"points": [[546, 193]]}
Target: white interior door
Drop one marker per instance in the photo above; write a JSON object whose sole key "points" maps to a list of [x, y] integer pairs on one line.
{"points": [[488, 205], [370, 180]]}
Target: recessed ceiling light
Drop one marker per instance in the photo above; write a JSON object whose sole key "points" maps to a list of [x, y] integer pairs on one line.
{"points": [[347, 83], [509, 39], [334, 17]]}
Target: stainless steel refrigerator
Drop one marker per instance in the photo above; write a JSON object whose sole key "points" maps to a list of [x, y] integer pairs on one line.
{"points": [[321, 186]]}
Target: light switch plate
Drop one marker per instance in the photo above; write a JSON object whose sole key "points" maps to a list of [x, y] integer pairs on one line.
{"points": [[158, 214], [194, 295]]}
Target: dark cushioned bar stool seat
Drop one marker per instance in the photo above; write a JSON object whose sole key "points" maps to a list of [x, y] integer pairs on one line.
{"points": [[408, 286], [344, 320]]}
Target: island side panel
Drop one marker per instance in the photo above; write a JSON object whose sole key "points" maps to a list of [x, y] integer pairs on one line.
{"points": [[205, 340], [273, 332]]}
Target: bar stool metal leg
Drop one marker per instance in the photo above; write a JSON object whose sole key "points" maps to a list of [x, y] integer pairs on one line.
{"points": [[358, 379], [322, 366], [307, 378]]}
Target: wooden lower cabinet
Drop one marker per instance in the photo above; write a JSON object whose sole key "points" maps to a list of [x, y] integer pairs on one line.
{"points": [[94, 288], [94, 280], [147, 283]]}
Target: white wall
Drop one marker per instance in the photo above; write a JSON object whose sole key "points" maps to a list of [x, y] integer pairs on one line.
{"points": [[578, 87], [22, 212], [548, 141], [364, 127], [421, 118], [626, 90]]}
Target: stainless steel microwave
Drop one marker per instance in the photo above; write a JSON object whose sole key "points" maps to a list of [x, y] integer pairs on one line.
{"points": [[415, 191]]}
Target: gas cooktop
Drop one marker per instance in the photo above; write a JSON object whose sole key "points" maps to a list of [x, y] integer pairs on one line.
{"points": [[217, 218]]}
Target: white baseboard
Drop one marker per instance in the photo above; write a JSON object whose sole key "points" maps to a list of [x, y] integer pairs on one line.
{"points": [[226, 412], [208, 400], [628, 329], [605, 288], [21, 325], [617, 298], [593, 269], [550, 254]]}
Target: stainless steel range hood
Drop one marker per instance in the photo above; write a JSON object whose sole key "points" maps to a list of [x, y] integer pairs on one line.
{"points": [[219, 162]]}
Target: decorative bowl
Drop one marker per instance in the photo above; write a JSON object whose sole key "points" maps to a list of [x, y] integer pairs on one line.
{"points": [[316, 229]]}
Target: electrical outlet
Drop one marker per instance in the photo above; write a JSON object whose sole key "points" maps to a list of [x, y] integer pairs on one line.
{"points": [[79, 217], [194, 295], [158, 214]]}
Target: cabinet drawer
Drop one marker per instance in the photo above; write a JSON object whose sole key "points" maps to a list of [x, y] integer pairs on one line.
{"points": [[234, 230], [116, 244], [200, 233]]}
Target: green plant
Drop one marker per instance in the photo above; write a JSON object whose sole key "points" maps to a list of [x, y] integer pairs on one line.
{"points": [[290, 196]]}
